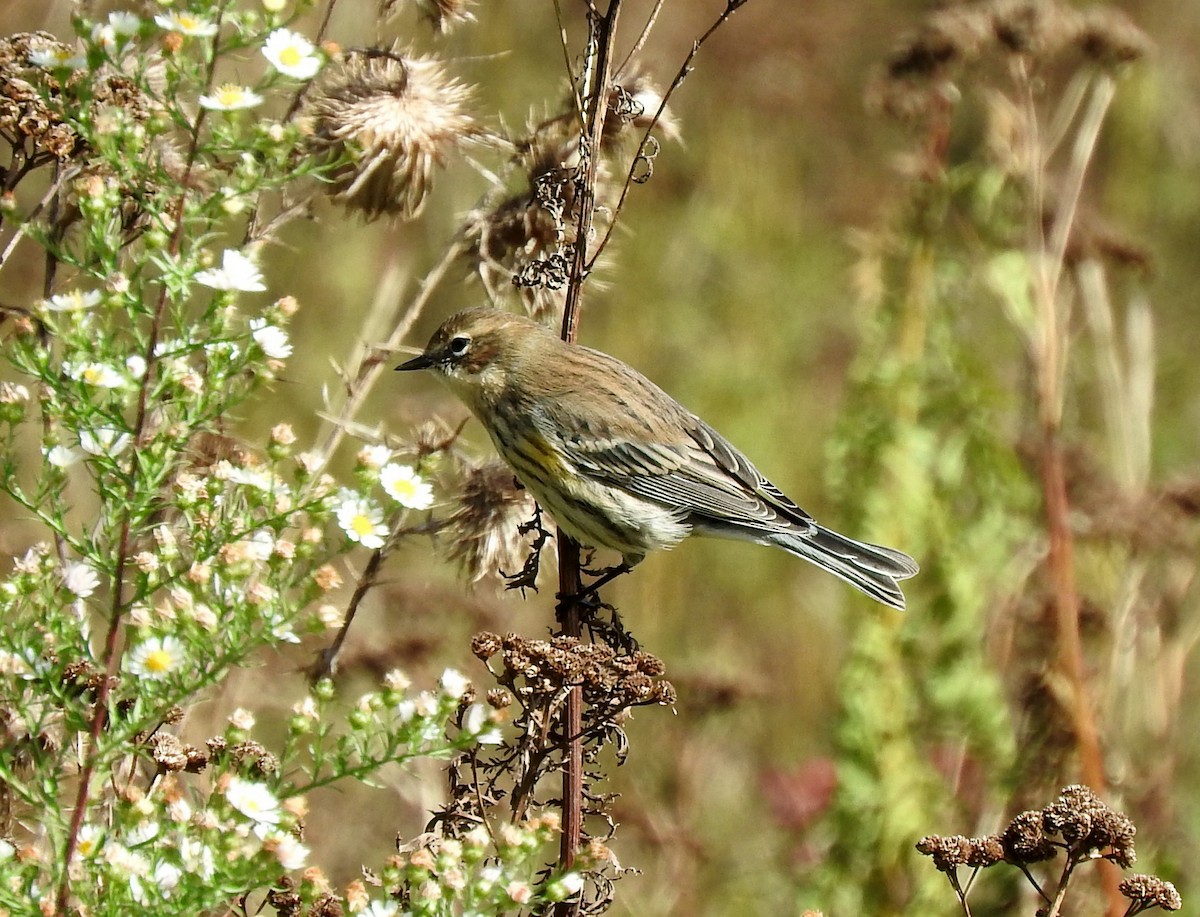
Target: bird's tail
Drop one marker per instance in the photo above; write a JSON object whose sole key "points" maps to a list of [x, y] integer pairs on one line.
{"points": [[871, 568]]}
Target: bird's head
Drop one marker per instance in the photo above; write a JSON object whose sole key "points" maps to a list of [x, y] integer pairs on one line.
{"points": [[475, 351]]}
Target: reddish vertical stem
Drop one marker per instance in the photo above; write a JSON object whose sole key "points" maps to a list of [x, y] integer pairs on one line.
{"points": [[597, 75], [1061, 563]]}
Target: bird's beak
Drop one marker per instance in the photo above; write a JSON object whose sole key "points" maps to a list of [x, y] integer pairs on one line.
{"points": [[422, 361]]}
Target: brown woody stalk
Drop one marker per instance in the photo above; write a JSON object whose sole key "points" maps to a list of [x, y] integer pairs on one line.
{"points": [[597, 78]]}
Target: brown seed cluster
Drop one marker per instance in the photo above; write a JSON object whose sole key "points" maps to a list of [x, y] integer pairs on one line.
{"points": [[32, 99], [1078, 823], [948, 853], [170, 754], [1150, 891], [957, 37], [544, 667]]}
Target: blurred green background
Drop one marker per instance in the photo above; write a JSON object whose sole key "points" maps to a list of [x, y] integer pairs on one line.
{"points": [[733, 287]]}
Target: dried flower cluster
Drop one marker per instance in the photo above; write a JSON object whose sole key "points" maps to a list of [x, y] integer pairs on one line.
{"points": [[1078, 823], [536, 670], [956, 37], [1150, 891], [25, 117], [487, 532], [534, 679], [393, 118]]}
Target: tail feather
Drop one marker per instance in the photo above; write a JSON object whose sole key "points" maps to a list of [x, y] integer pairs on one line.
{"points": [[870, 568]]}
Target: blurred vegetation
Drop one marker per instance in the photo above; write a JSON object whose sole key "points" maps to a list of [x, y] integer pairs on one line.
{"points": [[802, 271]]}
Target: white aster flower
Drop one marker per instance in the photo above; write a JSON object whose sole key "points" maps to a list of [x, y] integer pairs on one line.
{"points": [[61, 456], [57, 58], [478, 722], [72, 301], [405, 486], [454, 683], [237, 272], [290, 853], [254, 800], [135, 365], [230, 97], [104, 441], [374, 456], [80, 579], [123, 23], [382, 909], [272, 339], [362, 521], [99, 375], [292, 54], [155, 657], [90, 837], [186, 23]]}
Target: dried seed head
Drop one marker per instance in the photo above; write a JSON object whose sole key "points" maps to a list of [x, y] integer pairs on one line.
{"points": [[484, 531], [633, 105], [485, 645], [948, 853], [1025, 842], [1151, 891], [1110, 38], [446, 14], [397, 118]]}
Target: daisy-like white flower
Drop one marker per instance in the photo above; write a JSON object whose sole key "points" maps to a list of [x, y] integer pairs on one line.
{"points": [[124, 23], [230, 97], [292, 54], [237, 272], [478, 722], [374, 456], [58, 57], [405, 486], [107, 441], [90, 837], [98, 375], [271, 338], [362, 521], [72, 301], [454, 683], [155, 657], [290, 853], [61, 456], [382, 909], [135, 365], [80, 579], [186, 23], [254, 800]]}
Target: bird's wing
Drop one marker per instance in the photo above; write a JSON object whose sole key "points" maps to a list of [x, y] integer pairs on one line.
{"points": [[704, 476], [647, 443]]}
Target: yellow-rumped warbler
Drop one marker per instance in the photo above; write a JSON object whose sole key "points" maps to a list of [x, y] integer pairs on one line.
{"points": [[618, 462]]}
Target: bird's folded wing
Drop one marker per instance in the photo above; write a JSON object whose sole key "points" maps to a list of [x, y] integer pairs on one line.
{"points": [[704, 476]]}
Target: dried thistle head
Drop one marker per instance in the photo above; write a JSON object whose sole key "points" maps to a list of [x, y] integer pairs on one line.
{"points": [[633, 105], [443, 15], [484, 531], [396, 118], [521, 243]]}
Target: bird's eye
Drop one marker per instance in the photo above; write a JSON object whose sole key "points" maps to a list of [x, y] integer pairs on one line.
{"points": [[459, 345]]}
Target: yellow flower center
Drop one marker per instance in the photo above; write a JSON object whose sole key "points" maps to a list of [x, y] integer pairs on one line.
{"points": [[158, 661], [229, 95], [362, 525], [290, 56], [188, 23], [92, 375]]}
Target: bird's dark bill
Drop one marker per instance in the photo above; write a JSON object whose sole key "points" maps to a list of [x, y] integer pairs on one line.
{"points": [[424, 361]]}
